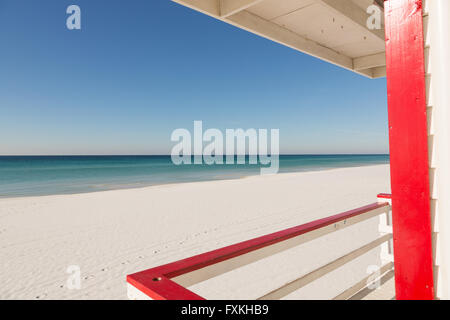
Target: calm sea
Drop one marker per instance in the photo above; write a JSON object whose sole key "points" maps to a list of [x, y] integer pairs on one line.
{"points": [[46, 175]]}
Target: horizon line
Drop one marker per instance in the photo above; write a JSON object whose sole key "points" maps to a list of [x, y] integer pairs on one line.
{"points": [[168, 155]]}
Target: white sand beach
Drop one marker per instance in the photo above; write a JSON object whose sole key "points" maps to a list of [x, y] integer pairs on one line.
{"points": [[114, 233]]}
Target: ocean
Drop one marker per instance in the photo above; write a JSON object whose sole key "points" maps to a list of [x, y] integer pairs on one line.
{"points": [[47, 175]]}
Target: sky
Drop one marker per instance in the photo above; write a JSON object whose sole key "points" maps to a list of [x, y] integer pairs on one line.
{"points": [[139, 69]]}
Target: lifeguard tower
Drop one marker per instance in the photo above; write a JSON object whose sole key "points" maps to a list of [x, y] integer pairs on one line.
{"points": [[409, 44]]}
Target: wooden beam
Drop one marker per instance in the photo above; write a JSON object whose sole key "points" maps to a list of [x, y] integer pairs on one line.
{"points": [[379, 72], [372, 61], [230, 7], [267, 29], [350, 10]]}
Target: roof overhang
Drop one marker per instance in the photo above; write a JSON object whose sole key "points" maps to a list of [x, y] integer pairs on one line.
{"points": [[332, 30]]}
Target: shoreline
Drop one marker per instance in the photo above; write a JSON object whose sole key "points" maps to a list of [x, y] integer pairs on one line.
{"points": [[109, 234], [187, 182]]}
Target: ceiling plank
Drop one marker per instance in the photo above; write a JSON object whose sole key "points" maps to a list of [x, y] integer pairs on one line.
{"points": [[274, 32], [372, 61], [230, 7], [379, 72], [350, 10]]}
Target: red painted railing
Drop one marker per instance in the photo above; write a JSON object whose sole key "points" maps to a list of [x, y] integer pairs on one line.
{"points": [[384, 196], [156, 283]]}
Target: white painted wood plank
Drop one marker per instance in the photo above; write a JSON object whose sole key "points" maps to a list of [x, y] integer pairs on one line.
{"points": [[354, 13], [379, 72], [310, 277], [350, 292], [372, 61], [230, 7], [272, 9], [274, 32]]}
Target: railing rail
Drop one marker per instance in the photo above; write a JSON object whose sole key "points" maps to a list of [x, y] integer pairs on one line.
{"points": [[387, 251], [170, 281]]}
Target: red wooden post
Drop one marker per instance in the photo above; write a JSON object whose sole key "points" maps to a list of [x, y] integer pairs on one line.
{"points": [[409, 149]]}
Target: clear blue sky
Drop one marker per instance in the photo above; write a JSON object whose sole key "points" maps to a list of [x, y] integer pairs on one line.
{"points": [[139, 69]]}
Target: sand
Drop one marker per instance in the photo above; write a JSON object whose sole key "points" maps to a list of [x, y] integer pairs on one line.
{"points": [[114, 233]]}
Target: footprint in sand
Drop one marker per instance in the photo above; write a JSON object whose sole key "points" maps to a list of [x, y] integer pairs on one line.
{"points": [[41, 296], [89, 277]]}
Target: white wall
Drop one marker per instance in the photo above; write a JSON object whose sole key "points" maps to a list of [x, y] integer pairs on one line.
{"points": [[437, 65]]}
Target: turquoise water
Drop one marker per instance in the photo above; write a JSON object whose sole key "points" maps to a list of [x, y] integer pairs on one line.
{"points": [[46, 175]]}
